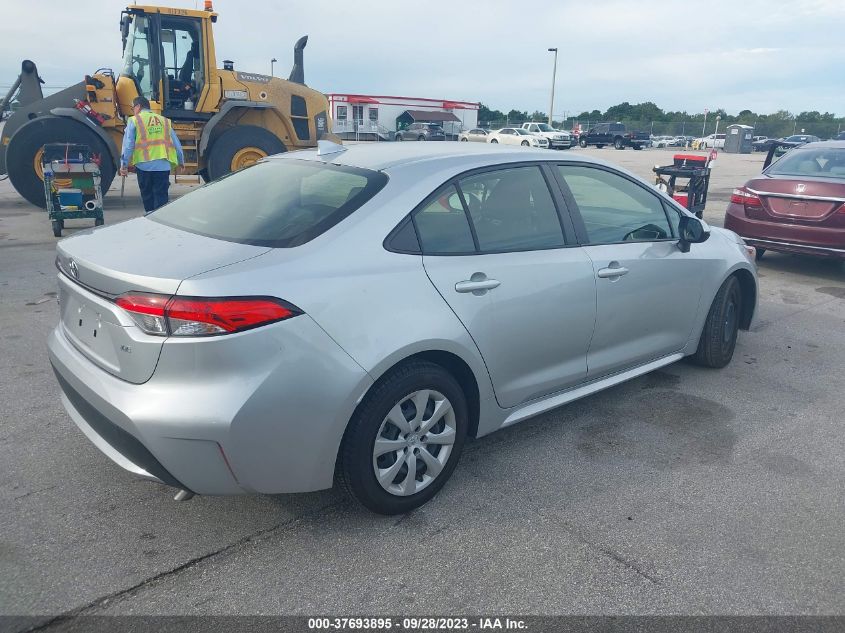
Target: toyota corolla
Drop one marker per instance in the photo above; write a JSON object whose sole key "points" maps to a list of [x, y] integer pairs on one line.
{"points": [[355, 315]]}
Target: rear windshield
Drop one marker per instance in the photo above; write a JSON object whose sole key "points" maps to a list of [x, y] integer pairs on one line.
{"points": [[277, 203], [818, 163]]}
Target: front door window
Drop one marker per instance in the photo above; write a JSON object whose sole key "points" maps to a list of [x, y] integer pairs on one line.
{"points": [[136, 60]]}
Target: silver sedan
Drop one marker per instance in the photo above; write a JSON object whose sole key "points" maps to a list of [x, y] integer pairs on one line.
{"points": [[354, 315]]}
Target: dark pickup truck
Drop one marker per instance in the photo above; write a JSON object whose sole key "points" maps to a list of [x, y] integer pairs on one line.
{"points": [[614, 134]]}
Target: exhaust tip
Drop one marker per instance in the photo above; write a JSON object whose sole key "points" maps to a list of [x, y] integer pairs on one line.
{"points": [[183, 495]]}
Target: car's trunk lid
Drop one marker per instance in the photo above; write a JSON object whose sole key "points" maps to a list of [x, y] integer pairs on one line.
{"points": [[804, 200], [134, 256]]}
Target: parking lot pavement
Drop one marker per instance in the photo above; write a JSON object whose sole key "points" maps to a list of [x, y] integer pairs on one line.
{"points": [[685, 491]]}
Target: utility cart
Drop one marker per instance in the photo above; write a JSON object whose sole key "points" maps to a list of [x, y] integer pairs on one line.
{"points": [[686, 180], [71, 184]]}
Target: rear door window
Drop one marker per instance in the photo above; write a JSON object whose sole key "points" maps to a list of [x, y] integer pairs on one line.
{"points": [[512, 209], [276, 203]]}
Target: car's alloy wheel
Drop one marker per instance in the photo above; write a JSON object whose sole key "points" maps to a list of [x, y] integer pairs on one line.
{"points": [[414, 442], [405, 439], [492, 140], [525, 143]]}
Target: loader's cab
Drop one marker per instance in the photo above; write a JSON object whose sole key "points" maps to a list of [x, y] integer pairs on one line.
{"points": [[168, 57]]}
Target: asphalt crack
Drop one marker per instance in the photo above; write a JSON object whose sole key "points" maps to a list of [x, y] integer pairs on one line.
{"points": [[255, 536]]}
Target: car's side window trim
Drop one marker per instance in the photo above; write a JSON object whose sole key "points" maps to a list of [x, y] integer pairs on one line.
{"points": [[578, 220], [564, 213], [468, 216]]}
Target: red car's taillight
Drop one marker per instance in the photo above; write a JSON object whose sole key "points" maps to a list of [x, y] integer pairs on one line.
{"points": [[161, 315], [745, 198]]}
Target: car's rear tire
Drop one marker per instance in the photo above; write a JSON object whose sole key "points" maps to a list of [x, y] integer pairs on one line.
{"points": [[23, 154], [582, 142], [492, 140], [387, 436], [718, 338], [421, 137], [464, 140], [617, 143], [525, 143], [399, 137], [240, 147], [759, 252]]}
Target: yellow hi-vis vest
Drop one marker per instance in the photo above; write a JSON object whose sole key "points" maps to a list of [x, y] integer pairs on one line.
{"points": [[152, 139]]}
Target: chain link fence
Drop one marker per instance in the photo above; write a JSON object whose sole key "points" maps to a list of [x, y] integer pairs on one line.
{"points": [[695, 126]]}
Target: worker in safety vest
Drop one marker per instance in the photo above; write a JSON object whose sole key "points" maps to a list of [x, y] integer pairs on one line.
{"points": [[151, 147]]}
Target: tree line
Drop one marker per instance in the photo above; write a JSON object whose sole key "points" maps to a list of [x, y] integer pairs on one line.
{"points": [[649, 115]]}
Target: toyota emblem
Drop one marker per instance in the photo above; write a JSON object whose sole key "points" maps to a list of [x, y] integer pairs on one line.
{"points": [[800, 188], [74, 269]]}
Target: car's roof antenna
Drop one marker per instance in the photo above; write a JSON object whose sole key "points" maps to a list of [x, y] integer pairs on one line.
{"points": [[327, 148]]}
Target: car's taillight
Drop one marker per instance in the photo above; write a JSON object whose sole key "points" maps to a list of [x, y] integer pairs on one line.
{"points": [[745, 198], [161, 315]]}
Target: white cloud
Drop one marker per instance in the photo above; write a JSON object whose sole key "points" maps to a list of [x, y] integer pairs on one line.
{"points": [[759, 54]]}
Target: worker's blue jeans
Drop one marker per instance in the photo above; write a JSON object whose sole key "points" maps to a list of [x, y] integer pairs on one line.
{"points": [[154, 186]]}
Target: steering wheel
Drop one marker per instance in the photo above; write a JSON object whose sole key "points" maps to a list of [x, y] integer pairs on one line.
{"points": [[654, 233]]}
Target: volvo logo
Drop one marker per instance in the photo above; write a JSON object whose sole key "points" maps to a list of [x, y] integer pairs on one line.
{"points": [[74, 269], [800, 188]]}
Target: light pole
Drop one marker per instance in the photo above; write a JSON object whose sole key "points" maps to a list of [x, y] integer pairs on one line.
{"points": [[272, 61], [704, 127], [716, 133], [554, 77]]}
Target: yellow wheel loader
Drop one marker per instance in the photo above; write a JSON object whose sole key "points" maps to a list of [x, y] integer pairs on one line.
{"points": [[224, 118]]}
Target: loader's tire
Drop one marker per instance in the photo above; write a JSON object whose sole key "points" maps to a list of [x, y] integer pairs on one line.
{"points": [[240, 147], [23, 155]]}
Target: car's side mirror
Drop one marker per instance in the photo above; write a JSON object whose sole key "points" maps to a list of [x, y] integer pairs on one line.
{"points": [[692, 231]]}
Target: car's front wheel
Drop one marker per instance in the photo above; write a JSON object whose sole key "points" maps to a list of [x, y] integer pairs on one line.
{"points": [[405, 439], [492, 140], [718, 338]]}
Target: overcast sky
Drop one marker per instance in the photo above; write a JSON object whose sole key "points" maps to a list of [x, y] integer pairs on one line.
{"points": [[763, 55]]}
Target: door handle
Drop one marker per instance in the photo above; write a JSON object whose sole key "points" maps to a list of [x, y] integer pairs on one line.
{"points": [[479, 284], [611, 272]]}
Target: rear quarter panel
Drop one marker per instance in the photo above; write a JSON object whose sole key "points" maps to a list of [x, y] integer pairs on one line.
{"points": [[378, 306]]}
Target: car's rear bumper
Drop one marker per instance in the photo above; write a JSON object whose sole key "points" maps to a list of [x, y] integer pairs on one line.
{"points": [[234, 414], [786, 237]]}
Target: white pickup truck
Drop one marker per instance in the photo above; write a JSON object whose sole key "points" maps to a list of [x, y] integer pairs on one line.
{"points": [[558, 139]]}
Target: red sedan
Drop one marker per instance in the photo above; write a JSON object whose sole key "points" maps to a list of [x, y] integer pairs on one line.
{"points": [[797, 205]]}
